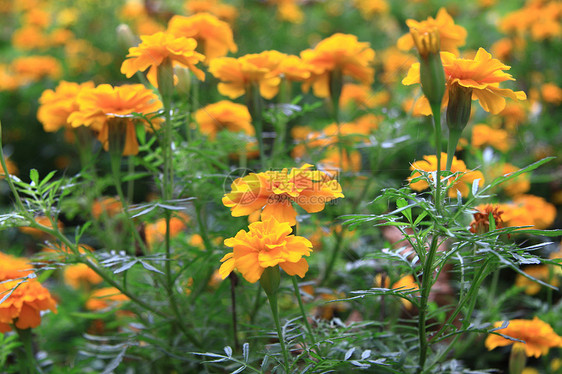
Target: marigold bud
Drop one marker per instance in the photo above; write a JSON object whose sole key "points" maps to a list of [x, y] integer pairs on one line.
{"points": [[432, 75]]}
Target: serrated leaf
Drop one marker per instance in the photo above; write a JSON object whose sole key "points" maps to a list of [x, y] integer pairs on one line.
{"points": [[149, 267], [127, 266], [349, 353]]}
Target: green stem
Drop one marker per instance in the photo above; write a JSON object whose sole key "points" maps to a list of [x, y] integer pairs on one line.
{"points": [[26, 357], [130, 182], [257, 304], [436, 109], [254, 104], [335, 254], [301, 306], [425, 291], [275, 312]]}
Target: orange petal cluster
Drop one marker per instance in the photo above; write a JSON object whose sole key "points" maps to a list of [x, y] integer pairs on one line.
{"points": [[105, 106], [276, 191], [266, 244], [224, 115], [538, 336]]}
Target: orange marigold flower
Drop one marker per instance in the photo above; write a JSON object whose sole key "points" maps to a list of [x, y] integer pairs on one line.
{"points": [[156, 48], [394, 63], [293, 68], [275, 192], [155, 232], [30, 37], [225, 12], [43, 221], [451, 36], [237, 75], [103, 298], [80, 276], [370, 8], [481, 75], [540, 18], [362, 96], [481, 222], [266, 244], [12, 168], [12, 267], [514, 114], [56, 105], [34, 68], [106, 205], [461, 184], [538, 336], [224, 115], [544, 273], [288, 10], [551, 93], [406, 283], [333, 162], [214, 35], [22, 308], [105, 106], [538, 209], [515, 186], [485, 135], [341, 53]]}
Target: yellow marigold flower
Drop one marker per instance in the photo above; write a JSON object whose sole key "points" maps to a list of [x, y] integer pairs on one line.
{"points": [[514, 114], [22, 308], [8, 80], [481, 222], [482, 76], [155, 232], [237, 75], [292, 68], [12, 267], [214, 35], [538, 336], [80, 275], [540, 18], [103, 298], [406, 283], [451, 36], [276, 191], [333, 162], [224, 115], [105, 106], [544, 273], [56, 105], [266, 244], [485, 135], [34, 68], [394, 63], [154, 49], [288, 10], [462, 184], [551, 93], [225, 12], [370, 8], [339, 53]]}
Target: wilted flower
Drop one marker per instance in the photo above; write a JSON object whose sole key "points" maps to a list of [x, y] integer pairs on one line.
{"points": [[155, 49], [480, 78], [462, 183], [481, 222], [23, 306], [238, 75], [451, 36], [275, 192], [224, 115], [338, 55], [106, 109], [215, 36], [266, 244], [538, 336]]}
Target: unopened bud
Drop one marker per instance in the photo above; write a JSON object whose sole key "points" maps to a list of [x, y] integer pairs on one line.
{"points": [[458, 109], [125, 37], [432, 75]]}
